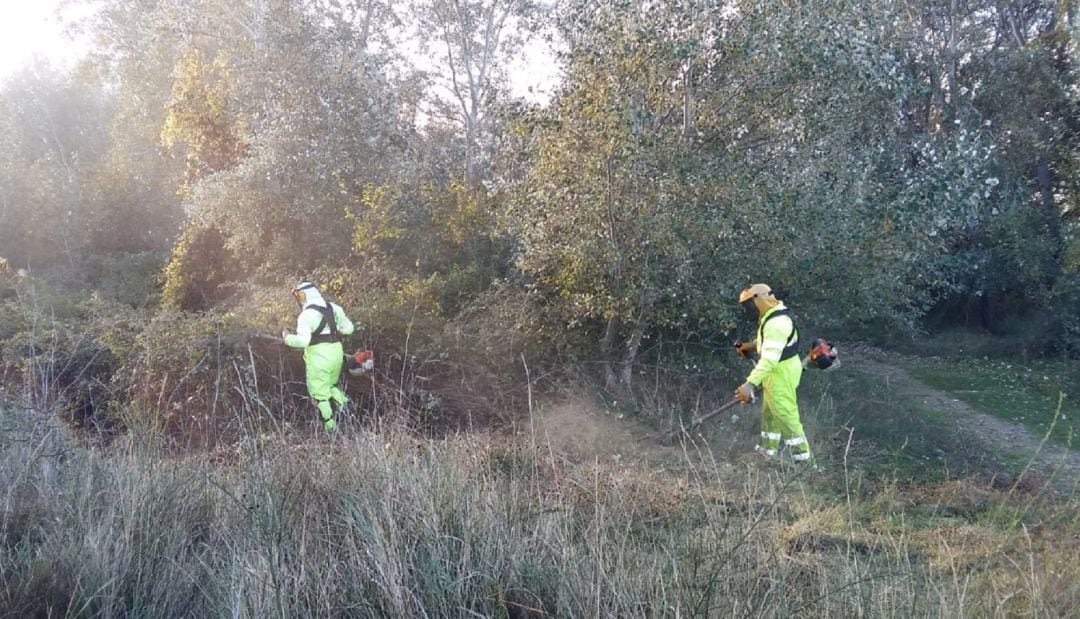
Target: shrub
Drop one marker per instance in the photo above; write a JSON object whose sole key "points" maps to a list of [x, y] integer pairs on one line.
{"points": [[131, 279], [193, 372], [199, 271], [60, 350]]}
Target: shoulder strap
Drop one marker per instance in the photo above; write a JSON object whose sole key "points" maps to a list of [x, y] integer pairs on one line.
{"points": [[791, 346], [327, 312]]}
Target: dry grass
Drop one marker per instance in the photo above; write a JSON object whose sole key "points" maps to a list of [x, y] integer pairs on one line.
{"points": [[570, 514], [389, 524]]}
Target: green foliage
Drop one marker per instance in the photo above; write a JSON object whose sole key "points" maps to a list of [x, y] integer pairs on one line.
{"points": [[443, 372], [443, 235], [282, 122], [648, 207], [61, 348], [1066, 297], [837, 153], [205, 379], [74, 181], [200, 116], [886, 167], [132, 279], [55, 138], [199, 271]]}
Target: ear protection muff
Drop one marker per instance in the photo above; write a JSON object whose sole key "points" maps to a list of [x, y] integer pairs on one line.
{"points": [[749, 308]]}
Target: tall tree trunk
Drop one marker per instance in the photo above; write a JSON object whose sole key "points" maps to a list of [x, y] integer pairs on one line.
{"points": [[630, 354], [1045, 177], [952, 112], [614, 325], [471, 122], [365, 27], [608, 346], [688, 99]]}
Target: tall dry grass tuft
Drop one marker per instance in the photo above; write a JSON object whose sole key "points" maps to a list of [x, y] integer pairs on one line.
{"points": [[391, 525], [388, 523]]}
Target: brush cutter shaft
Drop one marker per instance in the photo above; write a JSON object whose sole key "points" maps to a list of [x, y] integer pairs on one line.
{"points": [[710, 415], [669, 436]]}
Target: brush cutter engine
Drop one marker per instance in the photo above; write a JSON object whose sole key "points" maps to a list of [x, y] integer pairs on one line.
{"points": [[822, 355], [360, 362]]}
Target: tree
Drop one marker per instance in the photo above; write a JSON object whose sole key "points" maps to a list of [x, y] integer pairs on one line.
{"points": [[56, 138], [690, 154], [202, 116], [605, 217], [285, 115], [475, 40]]}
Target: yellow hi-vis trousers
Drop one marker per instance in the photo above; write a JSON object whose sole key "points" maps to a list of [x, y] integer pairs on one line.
{"points": [[322, 363], [780, 411]]}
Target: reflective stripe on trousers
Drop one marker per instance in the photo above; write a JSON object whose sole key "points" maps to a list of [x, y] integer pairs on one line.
{"points": [[780, 410]]}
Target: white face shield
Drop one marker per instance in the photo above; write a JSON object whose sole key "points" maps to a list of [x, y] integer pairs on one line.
{"points": [[305, 292]]}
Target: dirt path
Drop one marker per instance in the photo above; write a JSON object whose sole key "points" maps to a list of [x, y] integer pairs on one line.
{"points": [[992, 432]]}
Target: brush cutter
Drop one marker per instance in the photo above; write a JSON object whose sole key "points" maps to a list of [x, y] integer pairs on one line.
{"points": [[667, 437], [822, 356], [357, 364], [360, 362]]}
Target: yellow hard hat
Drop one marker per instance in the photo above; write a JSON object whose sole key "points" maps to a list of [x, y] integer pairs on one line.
{"points": [[757, 290]]}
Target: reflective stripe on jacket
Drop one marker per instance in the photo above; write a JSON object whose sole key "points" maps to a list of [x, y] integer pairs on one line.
{"points": [[774, 335]]}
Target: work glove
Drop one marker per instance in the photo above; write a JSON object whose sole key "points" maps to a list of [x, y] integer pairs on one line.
{"points": [[745, 393], [744, 348]]}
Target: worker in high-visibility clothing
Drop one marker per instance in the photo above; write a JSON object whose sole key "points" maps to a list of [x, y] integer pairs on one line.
{"points": [[778, 371], [319, 328]]}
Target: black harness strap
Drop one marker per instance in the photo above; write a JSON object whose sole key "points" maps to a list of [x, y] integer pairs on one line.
{"points": [[317, 336], [791, 346]]}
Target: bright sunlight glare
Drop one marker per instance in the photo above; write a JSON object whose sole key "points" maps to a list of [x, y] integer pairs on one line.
{"points": [[31, 29]]}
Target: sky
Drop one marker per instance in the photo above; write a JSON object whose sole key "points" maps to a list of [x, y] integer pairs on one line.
{"points": [[33, 28], [535, 74], [30, 28]]}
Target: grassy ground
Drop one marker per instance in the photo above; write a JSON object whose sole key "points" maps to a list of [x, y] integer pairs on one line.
{"points": [[1027, 393], [576, 513], [901, 423], [868, 426], [483, 525]]}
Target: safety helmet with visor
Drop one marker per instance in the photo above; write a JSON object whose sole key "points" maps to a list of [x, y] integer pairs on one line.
{"points": [[299, 292], [747, 299]]}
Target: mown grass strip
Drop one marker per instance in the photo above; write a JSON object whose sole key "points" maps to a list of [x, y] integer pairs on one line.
{"points": [[1026, 393]]}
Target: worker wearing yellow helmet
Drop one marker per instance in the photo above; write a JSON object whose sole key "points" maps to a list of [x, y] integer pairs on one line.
{"points": [[318, 331], [778, 371]]}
